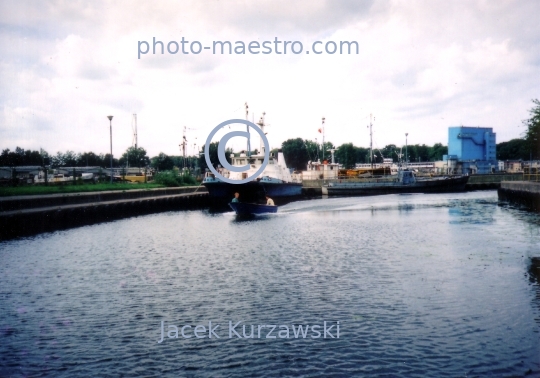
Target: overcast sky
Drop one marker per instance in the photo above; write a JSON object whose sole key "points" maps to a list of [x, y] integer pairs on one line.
{"points": [[422, 66]]}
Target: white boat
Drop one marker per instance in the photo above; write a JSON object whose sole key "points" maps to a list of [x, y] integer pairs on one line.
{"points": [[275, 180]]}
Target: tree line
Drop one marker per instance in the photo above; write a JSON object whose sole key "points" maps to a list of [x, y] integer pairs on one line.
{"points": [[132, 157], [297, 153]]}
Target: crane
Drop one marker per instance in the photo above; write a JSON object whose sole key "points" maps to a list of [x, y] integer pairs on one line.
{"points": [[184, 145]]}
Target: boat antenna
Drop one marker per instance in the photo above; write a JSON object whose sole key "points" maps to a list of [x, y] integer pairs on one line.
{"points": [[247, 129]]}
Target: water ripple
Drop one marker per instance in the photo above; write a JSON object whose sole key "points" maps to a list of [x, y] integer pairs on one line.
{"points": [[421, 285]]}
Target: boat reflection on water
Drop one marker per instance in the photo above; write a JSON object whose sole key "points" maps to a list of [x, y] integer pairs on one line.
{"points": [[241, 218]]}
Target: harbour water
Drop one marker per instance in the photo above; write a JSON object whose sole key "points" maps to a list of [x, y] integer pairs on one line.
{"points": [[422, 285]]}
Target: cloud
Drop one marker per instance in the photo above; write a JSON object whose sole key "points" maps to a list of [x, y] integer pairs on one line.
{"points": [[422, 66]]}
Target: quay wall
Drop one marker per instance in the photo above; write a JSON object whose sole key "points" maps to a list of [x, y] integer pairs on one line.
{"points": [[491, 181], [523, 193], [475, 182], [34, 220], [35, 201]]}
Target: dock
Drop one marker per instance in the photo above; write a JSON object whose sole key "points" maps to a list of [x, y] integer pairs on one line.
{"points": [[29, 215], [522, 193], [312, 188]]}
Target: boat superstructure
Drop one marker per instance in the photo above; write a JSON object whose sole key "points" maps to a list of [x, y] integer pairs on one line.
{"points": [[275, 180]]}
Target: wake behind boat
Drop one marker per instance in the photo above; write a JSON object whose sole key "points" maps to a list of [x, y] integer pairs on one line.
{"points": [[242, 208]]}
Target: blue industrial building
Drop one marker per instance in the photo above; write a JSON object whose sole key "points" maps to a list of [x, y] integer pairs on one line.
{"points": [[471, 150]]}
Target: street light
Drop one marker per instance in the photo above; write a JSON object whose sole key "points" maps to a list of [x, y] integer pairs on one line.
{"points": [[110, 124], [406, 134]]}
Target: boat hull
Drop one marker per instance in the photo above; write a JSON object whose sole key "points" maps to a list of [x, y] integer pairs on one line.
{"points": [[252, 191], [437, 185], [242, 208]]}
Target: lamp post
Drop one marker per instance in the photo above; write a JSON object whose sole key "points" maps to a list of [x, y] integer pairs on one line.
{"points": [[110, 124], [406, 134]]}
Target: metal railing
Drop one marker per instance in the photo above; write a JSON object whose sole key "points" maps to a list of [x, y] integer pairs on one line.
{"points": [[531, 177]]}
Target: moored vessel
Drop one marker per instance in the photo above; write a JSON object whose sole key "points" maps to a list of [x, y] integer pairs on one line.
{"points": [[405, 182]]}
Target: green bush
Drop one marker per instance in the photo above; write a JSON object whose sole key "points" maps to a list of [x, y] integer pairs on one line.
{"points": [[173, 178]]}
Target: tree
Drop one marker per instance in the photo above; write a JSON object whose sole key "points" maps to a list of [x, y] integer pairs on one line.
{"points": [[346, 155], [437, 151], [389, 152], [532, 135], [162, 162], [134, 157], [57, 160], [90, 159], [71, 159], [514, 149], [107, 161], [296, 153], [213, 151]]}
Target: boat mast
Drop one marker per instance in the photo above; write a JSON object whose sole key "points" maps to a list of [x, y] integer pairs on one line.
{"points": [[247, 129], [261, 125]]}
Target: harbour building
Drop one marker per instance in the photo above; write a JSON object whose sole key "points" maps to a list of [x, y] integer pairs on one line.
{"points": [[471, 150]]}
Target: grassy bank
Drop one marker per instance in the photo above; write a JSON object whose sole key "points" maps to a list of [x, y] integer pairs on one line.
{"points": [[70, 188]]}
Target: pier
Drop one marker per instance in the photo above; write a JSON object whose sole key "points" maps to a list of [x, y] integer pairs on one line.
{"points": [[311, 188], [28, 215], [523, 193]]}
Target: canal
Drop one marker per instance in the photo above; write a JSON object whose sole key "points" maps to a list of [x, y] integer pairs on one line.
{"points": [[421, 285]]}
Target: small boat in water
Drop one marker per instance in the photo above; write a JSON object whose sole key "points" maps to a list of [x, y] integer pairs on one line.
{"points": [[242, 208]]}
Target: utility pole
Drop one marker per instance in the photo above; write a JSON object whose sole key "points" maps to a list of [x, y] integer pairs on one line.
{"points": [[183, 147], [110, 124], [406, 156], [371, 142], [134, 128]]}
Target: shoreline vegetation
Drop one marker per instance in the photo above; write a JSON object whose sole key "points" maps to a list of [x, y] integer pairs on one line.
{"points": [[167, 179], [9, 191]]}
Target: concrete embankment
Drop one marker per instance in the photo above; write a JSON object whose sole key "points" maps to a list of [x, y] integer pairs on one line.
{"points": [[491, 181], [28, 215], [312, 188], [524, 193], [33, 201]]}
